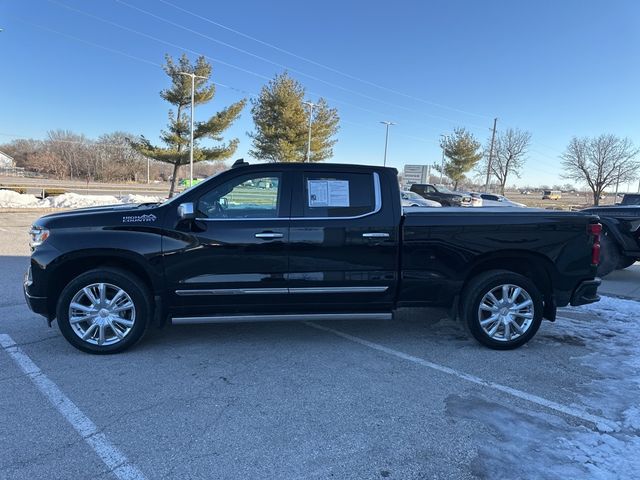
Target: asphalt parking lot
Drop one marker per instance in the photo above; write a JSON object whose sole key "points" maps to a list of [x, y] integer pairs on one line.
{"points": [[412, 399]]}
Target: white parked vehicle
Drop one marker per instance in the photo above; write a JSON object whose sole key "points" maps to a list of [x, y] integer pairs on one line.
{"points": [[412, 199], [495, 200]]}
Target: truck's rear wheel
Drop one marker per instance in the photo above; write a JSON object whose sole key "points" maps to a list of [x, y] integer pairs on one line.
{"points": [[104, 311], [502, 309]]}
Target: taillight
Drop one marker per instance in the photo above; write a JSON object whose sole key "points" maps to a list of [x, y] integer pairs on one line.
{"points": [[595, 229]]}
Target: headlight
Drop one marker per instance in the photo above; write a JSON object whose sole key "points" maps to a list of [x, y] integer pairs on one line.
{"points": [[37, 236]]}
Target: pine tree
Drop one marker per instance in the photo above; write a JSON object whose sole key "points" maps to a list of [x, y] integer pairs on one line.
{"points": [[463, 152], [177, 136], [282, 124]]}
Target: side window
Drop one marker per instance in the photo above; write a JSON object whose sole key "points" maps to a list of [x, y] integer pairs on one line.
{"points": [[430, 189], [338, 194], [248, 196]]}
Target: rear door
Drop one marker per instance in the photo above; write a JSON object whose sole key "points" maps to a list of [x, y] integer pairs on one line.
{"points": [[344, 240]]}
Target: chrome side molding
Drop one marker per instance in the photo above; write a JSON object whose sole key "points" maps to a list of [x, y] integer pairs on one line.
{"points": [[262, 291], [231, 291]]}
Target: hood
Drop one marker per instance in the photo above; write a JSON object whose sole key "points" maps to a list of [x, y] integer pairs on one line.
{"points": [[103, 215]]}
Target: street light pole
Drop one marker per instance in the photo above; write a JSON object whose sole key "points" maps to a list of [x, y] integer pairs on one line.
{"points": [[193, 89], [386, 140], [311, 105]]}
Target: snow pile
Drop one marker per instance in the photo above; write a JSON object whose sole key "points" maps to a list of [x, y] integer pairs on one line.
{"points": [[526, 444], [74, 200], [134, 198], [11, 199]]}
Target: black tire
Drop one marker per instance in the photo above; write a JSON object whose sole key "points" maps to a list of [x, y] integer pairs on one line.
{"points": [[474, 293], [625, 262], [609, 254], [140, 316]]}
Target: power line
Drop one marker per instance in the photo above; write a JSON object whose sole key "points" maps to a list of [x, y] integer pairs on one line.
{"points": [[321, 65], [173, 45]]}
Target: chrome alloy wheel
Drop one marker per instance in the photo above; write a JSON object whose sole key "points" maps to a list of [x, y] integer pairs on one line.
{"points": [[102, 314], [506, 312]]}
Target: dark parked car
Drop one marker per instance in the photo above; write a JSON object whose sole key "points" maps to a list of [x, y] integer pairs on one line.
{"points": [[318, 242], [620, 236], [442, 195]]}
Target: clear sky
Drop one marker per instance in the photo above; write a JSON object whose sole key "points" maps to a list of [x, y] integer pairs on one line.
{"points": [[556, 68]]}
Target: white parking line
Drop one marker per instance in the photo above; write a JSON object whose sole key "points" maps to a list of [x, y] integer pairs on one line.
{"points": [[601, 423], [113, 458]]}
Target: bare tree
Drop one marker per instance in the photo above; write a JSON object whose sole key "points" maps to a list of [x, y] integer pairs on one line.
{"points": [[600, 162], [510, 155]]}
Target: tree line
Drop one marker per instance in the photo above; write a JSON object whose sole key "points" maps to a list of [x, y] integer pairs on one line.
{"points": [[283, 120], [599, 162]]}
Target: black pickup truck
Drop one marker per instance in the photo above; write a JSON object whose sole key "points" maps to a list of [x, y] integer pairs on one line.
{"points": [[442, 195], [620, 240], [304, 242]]}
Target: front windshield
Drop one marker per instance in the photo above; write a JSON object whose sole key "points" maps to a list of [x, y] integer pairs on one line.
{"points": [[443, 189]]}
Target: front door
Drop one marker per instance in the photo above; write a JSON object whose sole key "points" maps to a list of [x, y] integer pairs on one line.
{"points": [[234, 257]]}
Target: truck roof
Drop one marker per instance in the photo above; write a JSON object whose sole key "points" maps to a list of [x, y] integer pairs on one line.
{"points": [[317, 166]]}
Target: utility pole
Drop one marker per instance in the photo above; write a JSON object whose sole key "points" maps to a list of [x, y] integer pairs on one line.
{"points": [[148, 165], [615, 198], [445, 137], [386, 140], [193, 89], [493, 138], [311, 106]]}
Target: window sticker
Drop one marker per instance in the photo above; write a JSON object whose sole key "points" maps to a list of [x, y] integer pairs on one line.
{"points": [[328, 193]]}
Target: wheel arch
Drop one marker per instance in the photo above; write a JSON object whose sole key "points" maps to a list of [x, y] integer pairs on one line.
{"points": [[68, 268], [536, 267]]}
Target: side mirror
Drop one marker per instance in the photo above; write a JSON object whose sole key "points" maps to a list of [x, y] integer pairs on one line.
{"points": [[186, 211]]}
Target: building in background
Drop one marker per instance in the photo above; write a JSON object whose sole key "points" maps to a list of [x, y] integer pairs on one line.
{"points": [[6, 161]]}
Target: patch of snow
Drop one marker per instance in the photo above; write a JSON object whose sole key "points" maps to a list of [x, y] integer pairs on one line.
{"points": [[531, 445], [135, 198], [74, 200], [11, 199]]}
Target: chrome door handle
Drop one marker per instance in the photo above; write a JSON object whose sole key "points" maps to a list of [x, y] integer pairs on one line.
{"points": [[375, 235], [269, 235]]}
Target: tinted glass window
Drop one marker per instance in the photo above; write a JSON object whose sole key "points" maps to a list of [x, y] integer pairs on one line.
{"points": [[430, 189], [338, 194], [248, 196], [490, 197]]}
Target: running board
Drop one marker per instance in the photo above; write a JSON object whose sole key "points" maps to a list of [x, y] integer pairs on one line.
{"points": [[311, 317]]}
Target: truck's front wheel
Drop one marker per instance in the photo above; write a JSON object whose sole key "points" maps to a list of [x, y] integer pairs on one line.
{"points": [[104, 311], [502, 309]]}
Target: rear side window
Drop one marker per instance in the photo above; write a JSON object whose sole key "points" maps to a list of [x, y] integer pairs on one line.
{"points": [[338, 194]]}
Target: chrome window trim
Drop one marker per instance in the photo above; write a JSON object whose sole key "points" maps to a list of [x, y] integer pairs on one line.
{"points": [[377, 207]]}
